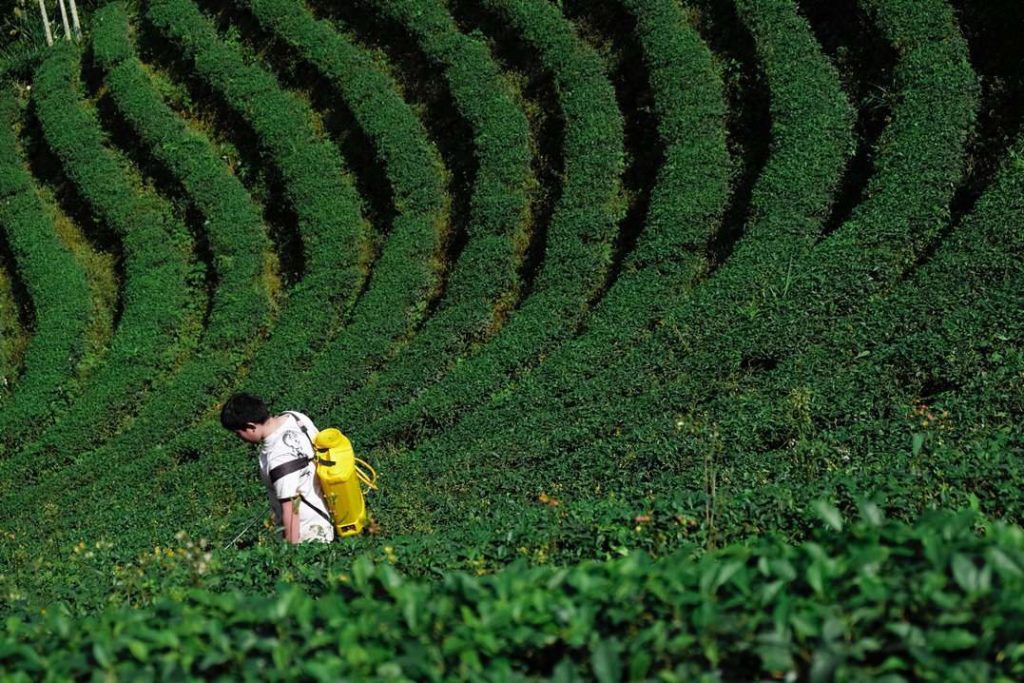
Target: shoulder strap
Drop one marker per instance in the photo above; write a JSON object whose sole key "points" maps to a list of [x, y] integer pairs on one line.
{"points": [[287, 468]]}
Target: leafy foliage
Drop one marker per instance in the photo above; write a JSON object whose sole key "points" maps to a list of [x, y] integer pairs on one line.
{"points": [[484, 282], [869, 599], [578, 250], [57, 286], [159, 318], [718, 436], [320, 191], [407, 275]]}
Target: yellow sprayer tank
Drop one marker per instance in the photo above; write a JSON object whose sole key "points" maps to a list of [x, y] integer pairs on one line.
{"points": [[339, 480]]}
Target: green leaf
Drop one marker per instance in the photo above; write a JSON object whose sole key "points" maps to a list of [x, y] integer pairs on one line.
{"points": [[639, 665], [101, 652], [917, 444], [606, 662], [775, 658], [871, 513], [952, 640], [829, 514], [816, 578], [138, 649], [1003, 563], [967, 574]]}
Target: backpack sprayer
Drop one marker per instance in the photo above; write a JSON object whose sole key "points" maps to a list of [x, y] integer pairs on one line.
{"points": [[342, 476]]}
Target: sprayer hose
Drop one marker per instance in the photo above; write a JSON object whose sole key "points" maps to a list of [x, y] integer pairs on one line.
{"points": [[368, 479]]}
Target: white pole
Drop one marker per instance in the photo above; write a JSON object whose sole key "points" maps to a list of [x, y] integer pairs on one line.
{"points": [[64, 18], [74, 19], [46, 22]]}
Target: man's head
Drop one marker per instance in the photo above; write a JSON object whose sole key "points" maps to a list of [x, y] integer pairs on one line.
{"points": [[245, 415]]}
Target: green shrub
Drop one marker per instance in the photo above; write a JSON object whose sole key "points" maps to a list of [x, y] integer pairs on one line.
{"points": [[407, 275], [864, 600], [528, 430], [578, 251], [159, 320], [484, 282], [56, 284], [687, 203], [334, 235]]}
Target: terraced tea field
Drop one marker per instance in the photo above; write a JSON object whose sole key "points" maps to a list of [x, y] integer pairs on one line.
{"points": [[687, 337]]}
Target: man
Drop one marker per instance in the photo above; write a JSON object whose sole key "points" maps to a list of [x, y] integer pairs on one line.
{"points": [[286, 465]]}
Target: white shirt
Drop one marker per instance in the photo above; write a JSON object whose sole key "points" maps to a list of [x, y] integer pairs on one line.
{"points": [[290, 477]]}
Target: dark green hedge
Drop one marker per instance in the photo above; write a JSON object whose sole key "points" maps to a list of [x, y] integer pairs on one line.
{"points": [[484, 282], [578, 251], [239, 315], [56, 284], [160, 317], [865, 600], [407, 275], [811, 140], [932, 364], [917, 166], [686, 207], [758, 320], [335, 239]]}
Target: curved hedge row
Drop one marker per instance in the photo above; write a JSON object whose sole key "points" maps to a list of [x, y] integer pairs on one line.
{"points": [[484, 282], [926, 360], [579, 239], [871, 599], [190, 476], [811, 140], [159, 319], [334, 234], [211, 375], [239, 314], [687, 202], [407, 274], [918, 165], [56, 284]]}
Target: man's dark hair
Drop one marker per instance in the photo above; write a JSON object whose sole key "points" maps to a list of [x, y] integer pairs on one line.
{"points": [[241, 409]]}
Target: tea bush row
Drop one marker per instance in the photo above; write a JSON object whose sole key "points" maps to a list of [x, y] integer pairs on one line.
{"points": [[56, 284], [579, 239], [866, 599], [917, 164], [239, 315], [330, 224], [917, 167], [727, 423], [13, 335], [239, 312], [407, 275], [686, 206], [935, 359], [159, 321], [208, 460], [234, 230], [335, 237], [488, 262], [591, 175], [811, 141], [416, 478], [484, 283]]}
